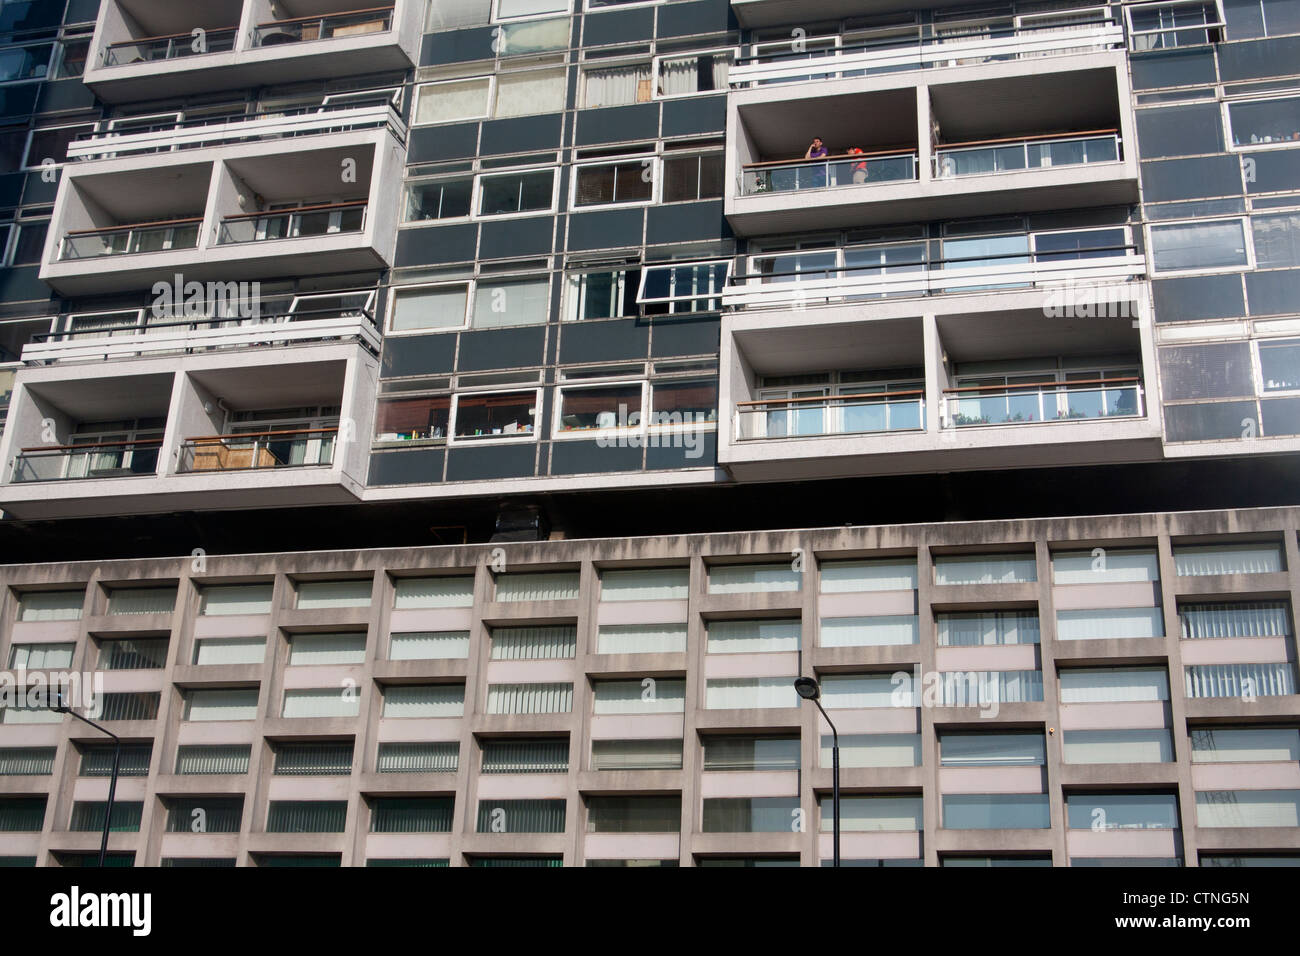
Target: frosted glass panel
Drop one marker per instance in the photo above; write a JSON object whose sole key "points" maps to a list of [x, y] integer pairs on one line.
{"points": [[1247, 619], [429, 646], [534, 643], [551, 698], [51, 605], [549, 586], [988, 628], [322, 702], [1246, 681], [1247, 744], [645, 584], [868, 690], [434, 592], [1105, 567], [41, 656], [1113, 685], [985, 569], [230, 650], [838, 577], [429, 700], [1248, 808], [310, 649], [1098, 624], [449, 102], [748, 637], [882, 631], [327, 594], [238, 704], [236, 599], [1228, 559], [863, 814], [650, 695], [641, 639], [753, 578], [747, 692], [874, 750], [142, 600], [1117, 746]]}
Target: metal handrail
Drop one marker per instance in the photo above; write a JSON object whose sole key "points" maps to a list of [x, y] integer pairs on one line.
{"points": [[1067, 385], [272, 213], [845, 157], [828, 398], [1084, 134], [136, 225], [326, 16], [91, 446], [194, 323], [170, 36], [251, 436]]}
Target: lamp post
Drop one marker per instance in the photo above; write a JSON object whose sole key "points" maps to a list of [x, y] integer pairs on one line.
{"points": [[809, 689], [62, 707]]}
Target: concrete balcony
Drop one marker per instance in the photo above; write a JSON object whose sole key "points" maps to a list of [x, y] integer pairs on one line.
{"points": [[1010, 136], [167, 432], [228, 44], [312, 205]]}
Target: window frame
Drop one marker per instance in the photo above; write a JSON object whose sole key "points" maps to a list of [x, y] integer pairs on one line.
{"points": [[559, 434], [590, 65], [519, 438], [1257, 363], [390, 307], [697, 154], [654, 162], [575, 293], [419, 91], [495, 15], [656, 64], [670, 301], [1129, 34], [1247, 241], [477, 199], [1229, 135], [428, 180]]}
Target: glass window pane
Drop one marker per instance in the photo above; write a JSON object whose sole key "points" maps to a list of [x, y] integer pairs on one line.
{"points": [[1198, 245]]}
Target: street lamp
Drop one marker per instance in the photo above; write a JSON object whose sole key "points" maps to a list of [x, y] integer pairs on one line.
{"points": [[62, 707], [809, 689]]}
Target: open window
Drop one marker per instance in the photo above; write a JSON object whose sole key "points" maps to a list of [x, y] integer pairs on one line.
{"points": [[1174, 23]]}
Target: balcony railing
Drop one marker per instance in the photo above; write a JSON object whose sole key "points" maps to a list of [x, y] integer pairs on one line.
{"points": [[1036, 402], [1018, 154], [251, 451], [157, 338], [870, 169], [170, 47], [112, 459], [861, 414], [325, 27], [164, 236], [1094, 29], [1089, 273], [352, 114], [299, 223]]}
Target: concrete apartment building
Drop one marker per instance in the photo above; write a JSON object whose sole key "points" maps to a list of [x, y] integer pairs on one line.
{"points": [[988, 418]]}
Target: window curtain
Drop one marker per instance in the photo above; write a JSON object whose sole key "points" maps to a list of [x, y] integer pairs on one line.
{"points": [[530, 93], [441, 757], [551, 698], [749, 637], [429, 645], [127, 706], [545, 586], [222, 705], [432, 700], [617, 85], [1113, 685], [1229, 559], [311, 649], [51, 605], [992, 750], [750, 692], [534, 643], [882, 631], [645, 584], [97, 761], [142, 601], [1253, 619], [220, 758], [90, 815], [664, 696], [230, 650], [847, 576], [1240, 680], [1109, 623], [526, 756], [641, 639], [634, 814], [636, 754], [26, 815], [434, 592]]}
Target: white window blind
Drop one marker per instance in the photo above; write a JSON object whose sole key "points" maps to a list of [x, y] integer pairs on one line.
{"points": [[1110, 685], [641, 639], [331, 594], [988, 628], [424, 700], [236, 599], [434, 592], [1258, 558], [862, 814], [838, 577], [753, 578], [51, 605], [235, 704], [853, 691], [142, 600], [750, 637], [1247, 619], [645, 584], [29, 715], [525, 756], [549, 698], [431, 757], [558, 642], [1240, 680], [230, 650], [883, 631], [636, 754], [429, 646], [26, 761], [977, 688], [992, 750], [874, 750], [985, 569], [1117, 746], [1106, 567], [1245, 744], [1097, 624], [306, 650], [734, 693], [1248, 808], [41, 656], [322, 702], [650, 695], [213, 758], [542, 586]]}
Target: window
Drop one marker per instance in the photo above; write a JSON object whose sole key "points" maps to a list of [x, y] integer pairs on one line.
{"points": [[429, 307], [868, 690], [540, 586], [617, 183], [204, 814], [307, 650], [50, 605], [859, 814], [692, 178], [530, 92], [141, 706], [142, 600], [619, 85], [1240, 680], [23, 814], [650, 695], [442, 757], [26, 761], [1245, 744], [519, 9], [426, 701], [213, 758], [985, 569], [1267, 122], [693, 73], [316, 595], [602, 294], [1253, 558], [749, 693], [33, 657], [1248, 808], [411, 814], [838, 577], [1279, 365], [90, 816], [992, 750], [558, 642], [236, 599], [599, 407], [873, 750], [508, 194], [1122, 811], [327, 759], [753, 578], [1173, 23], [753, 814], [134, 654], [239, 704], [636, 755], [634, 814], [983, 628], [1117, 746], [496, 415], [1104, 566], [439, 199], [306, 816], [322, 702], [645, 584], [453, 101], [1113, 685], [1260, 18], [996, 811], [25, 63], [526, 756], [1241, 619], [1204, 244], [97, 760], [551, 698], [521, 816], [412, 419], [429, 646], [687, 287], [751, 753], [981, 688], [882, 631], [434, 592], [230, 650], [508, 302], [1082, 625], [749, 637]]}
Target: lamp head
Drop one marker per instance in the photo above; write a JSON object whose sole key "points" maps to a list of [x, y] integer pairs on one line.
{"points": [[807, 688]]}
